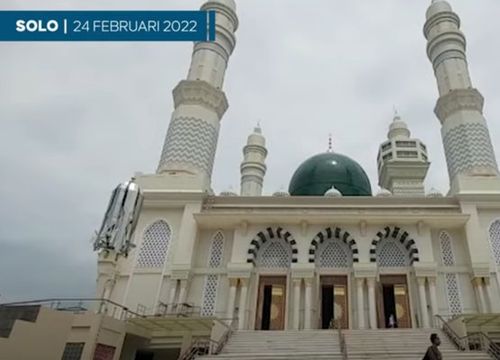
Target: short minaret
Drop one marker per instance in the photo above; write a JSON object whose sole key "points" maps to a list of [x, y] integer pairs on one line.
{"points": [[402, 161], [469, 153], [200, 103], [253, 167]]}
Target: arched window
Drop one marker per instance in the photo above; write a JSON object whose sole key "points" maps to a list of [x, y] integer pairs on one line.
{"points": [[154, 248], [390, 253], [275, 253], [215, 257], [453, 293], [494, 232], [334, 254]]}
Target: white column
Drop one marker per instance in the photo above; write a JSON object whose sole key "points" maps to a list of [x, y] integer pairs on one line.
{"points": [[361, 304], [296, 303], [243, 303], [308, 303], [424, 315], [489, 295], [183, 292], [434, 303], [231, 299], [371, 303], [478, 287]]}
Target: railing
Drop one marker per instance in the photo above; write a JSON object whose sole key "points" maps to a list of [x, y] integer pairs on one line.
{"points": [[336, 324], [481, 342], [450, 333], [207, 346], [477, 341], [81, 305]]}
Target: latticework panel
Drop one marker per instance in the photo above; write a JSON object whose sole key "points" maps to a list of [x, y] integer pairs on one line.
{"points": [[453, 294], [216, 251], [334, 254], [73, 351], [446, 249], [275, 253], [391, 254], [154, 246], [209, 295], [494, 233]]}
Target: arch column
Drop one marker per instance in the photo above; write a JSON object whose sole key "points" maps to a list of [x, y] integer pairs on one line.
{"points": [[372, 303], [423, 302], [243, 303], [308, 302], [360, 283], [433, 295], [233, 283]]}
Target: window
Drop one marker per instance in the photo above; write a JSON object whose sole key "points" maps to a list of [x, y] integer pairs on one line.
{"points": [[446, 249], [406, 144], [390, 253], [494, 233], [275, 253], [155, 245], [407, 154], [73, 351], [334, 254], [216, 255]]}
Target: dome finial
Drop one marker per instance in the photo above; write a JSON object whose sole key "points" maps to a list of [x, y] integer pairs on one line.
{"points": [[396, 113], [330, 143]]}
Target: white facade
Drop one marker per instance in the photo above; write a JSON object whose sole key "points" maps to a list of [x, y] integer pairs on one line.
{"points": [[438, 255]]}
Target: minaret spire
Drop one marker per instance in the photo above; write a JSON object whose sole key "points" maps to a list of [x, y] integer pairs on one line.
{"points": [[200, 103], [253, 167], [330, 143], [469, 152]]}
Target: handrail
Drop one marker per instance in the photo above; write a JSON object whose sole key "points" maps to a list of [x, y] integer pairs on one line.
{"points": [[452, 335], [225, 337], [335, 323], [479, 341], [58, 304]]}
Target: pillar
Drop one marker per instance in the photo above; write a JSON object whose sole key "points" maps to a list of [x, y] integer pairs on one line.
{"points": [[477, 283], [361, 305], [308, 303], [296, 303], [424, 315], [433, 294], [490, 296], [232, 297], [171, 294], [243, 303], [371, 303], [183, 291]]}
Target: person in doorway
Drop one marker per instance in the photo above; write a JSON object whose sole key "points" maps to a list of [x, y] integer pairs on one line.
{"points": [[433, 352], [392, 321]]}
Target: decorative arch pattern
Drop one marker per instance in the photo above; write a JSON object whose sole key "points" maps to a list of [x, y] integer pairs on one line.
{"points": [[447, 254], [333, 234], [399, 235], [267, 235], [155, 244], [211, 286], [494, 233]]}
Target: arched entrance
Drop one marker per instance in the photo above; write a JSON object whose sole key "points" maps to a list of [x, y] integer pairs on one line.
{"points": [[272, 252], [394, 252]]}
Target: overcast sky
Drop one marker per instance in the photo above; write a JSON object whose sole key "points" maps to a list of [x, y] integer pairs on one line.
{"points": [[78, 118]]}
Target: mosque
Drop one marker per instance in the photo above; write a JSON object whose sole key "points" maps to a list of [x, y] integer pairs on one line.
{"points": [[326, 249]]}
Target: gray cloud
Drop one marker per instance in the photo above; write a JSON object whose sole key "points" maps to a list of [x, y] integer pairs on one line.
{"points": [[79, 118]]}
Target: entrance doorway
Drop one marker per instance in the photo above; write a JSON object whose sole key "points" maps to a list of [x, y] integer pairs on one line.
{"points": [[271, 303], [334, 304], [393, 302]]}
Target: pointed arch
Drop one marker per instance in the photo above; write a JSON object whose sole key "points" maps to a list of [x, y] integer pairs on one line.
{"points": [[270, 234], [447, 254], [494, 235], [331, 235], [155, 245], [400, 240]]}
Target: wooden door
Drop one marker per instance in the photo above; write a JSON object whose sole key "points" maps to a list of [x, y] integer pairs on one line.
{"points": [[340, 299], [271, 303], [402, 305]]}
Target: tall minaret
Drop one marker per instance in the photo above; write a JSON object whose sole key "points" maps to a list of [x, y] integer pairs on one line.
{"points": [[402, 161], [200, 103], [253, 167], [469, 153]]}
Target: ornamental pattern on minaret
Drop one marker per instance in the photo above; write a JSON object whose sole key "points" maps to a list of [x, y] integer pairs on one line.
{"points": [[200, 103], [466, 139]]}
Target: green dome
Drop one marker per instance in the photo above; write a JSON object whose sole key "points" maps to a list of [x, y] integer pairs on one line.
{"points": [[319, 173]]}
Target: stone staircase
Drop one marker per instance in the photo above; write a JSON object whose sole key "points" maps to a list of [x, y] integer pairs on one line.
{"points": [[401, 344], [290, 344], [397, 344]]}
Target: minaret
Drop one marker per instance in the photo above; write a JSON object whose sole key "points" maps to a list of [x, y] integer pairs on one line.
{"points": [[402, 161], [200, 103], [253, 167], [469, 153]]}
